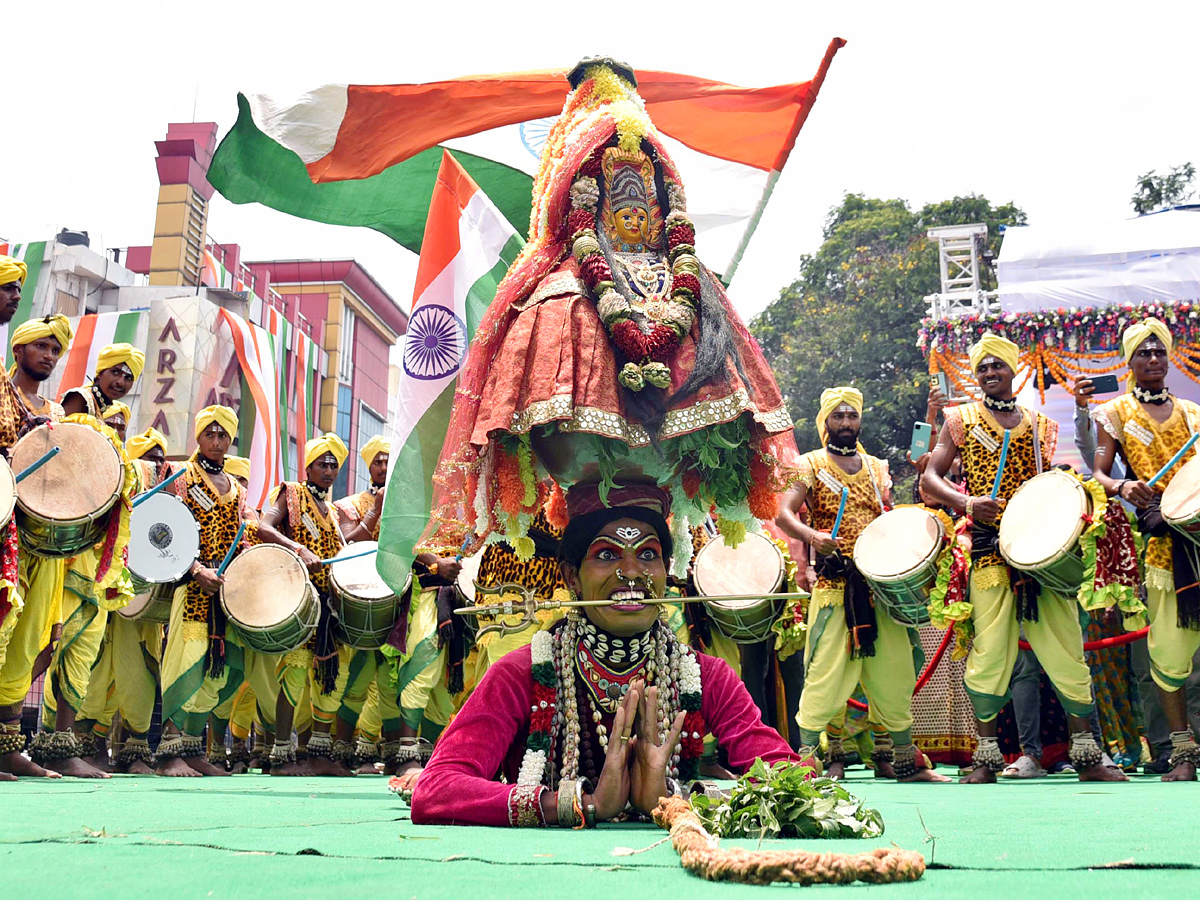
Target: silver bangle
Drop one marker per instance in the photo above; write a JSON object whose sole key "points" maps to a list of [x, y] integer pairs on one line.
{"points": [[569, 790]]}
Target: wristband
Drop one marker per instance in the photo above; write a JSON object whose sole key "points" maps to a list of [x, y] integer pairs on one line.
{"points": [[566, 802], [970, 509], [1121, 487]]}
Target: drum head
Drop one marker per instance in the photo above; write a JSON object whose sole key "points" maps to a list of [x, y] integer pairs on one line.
{"points": [[81, 481], [1043, 519], [1181, 499], [264, 586], [466, 577], [897, 542], [164, 539], [8, 491], [135, 606], [754, 567], [358, 576]]}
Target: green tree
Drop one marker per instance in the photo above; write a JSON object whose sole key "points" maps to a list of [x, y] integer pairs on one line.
{"points": [[851, 317], [1156, 191]]}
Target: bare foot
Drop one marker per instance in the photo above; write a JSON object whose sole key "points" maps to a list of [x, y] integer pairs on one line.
{"points": [[391, 767], [367, 768], [883, 769], [1106, 773], [291, 768], [256, 762], [76, 768], [238, 768], [99, 761], [837, 771], [981, 775], [204, 767], [16, 764], [1185, 771], [137, 767], [177, 768], [320, 765], [6, 776], [927, 775]]}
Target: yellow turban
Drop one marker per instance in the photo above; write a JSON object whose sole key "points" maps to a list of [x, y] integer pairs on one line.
{"points": [[140, 444], [57, 327], [831, 399], [373, 448], [117, 408], [115, 354], [12, 270], [1135, 336], [994, 345], [326, 443], [222, 415], [238, 466]]}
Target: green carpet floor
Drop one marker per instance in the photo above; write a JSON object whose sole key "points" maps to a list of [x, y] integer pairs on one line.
{"points": [[253, 836]]}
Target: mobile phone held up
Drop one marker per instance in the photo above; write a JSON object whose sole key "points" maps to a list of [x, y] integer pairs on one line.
{"points": [[922, 440], [1106, 384], [943, 385]]}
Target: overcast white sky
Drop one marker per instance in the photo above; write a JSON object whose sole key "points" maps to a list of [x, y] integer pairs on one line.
{"points": [[1057, 106]]}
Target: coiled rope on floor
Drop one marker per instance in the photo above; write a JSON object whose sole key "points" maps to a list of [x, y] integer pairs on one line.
{"points": [[701, 855]]}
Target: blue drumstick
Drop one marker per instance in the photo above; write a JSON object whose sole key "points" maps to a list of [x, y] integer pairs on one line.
{"points": [[837, 523], [146, 495], [232, 550], [1161, 472], [463, 548], [326, 562], [50, 454], [1000, 468]]}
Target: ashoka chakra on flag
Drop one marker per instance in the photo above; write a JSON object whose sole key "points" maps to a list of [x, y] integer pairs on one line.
{"points": [[435, 344]]}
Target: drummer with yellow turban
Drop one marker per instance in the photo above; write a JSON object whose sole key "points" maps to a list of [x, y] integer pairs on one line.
{"points": [[1001, 603], [37, 347], [205, 660], [844, 489], [1148, 426], [360, 513], [118, 367], [301, 517]]}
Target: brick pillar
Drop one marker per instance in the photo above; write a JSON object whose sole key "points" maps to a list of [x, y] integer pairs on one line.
{"points": [[181, 221]]}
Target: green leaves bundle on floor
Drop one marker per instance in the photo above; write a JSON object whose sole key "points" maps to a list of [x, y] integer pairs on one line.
{"points": [[779, 801]]}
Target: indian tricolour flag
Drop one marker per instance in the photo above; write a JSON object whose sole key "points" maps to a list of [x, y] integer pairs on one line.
{"points": [[33, 255], [369, 154], [468, 246]]}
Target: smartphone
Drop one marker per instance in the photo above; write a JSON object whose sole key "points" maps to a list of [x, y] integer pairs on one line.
{"points": [[1106, 384], [943, 385], [922, 440]]}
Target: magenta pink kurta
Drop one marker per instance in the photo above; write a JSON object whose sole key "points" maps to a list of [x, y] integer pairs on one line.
{"points": [[487, 739]]}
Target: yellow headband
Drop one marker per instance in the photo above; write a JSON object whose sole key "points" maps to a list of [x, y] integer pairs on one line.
{"points": [[373, 448], [238, 466], [831, 399], [115, 354], [57, 327], [222, 415], [115, 408], [139, 445], [1136, 335], [994, 345], [12, 270], [326, 443]]}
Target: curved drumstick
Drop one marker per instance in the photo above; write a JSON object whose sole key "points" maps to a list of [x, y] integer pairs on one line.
{"points": [[837, 523], [1159, 474], [38, 463], [232, 549], [146, 495], [1000, 468]]}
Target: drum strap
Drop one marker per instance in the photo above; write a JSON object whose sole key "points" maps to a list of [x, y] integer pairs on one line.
{"points": [[856, 603]]}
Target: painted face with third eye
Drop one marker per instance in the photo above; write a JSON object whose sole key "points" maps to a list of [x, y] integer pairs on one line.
{"points": [[631, 224], [634, 548]]}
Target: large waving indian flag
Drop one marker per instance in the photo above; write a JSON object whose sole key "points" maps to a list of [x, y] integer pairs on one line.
{"points": [[467, 248], [369, 154]]}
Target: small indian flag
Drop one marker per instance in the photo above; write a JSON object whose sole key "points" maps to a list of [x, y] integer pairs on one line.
{"points": [[467, 249], [368, 154]]}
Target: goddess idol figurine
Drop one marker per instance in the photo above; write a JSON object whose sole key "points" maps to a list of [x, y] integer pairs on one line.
{"points": [[610, 354]]}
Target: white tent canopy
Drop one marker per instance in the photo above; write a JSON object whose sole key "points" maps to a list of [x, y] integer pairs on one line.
{"points": [[1148, 259]]}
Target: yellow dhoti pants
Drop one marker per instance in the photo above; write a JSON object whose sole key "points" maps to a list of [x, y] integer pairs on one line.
{"points": [[1056, 639], [370, 676], [1171, 647], [125, 677], [421, 680], [295, 674], [831, 673], [189, 693], [41, 587]]}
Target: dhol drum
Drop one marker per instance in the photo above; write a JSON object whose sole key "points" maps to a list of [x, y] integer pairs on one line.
{"points": [[754, 567], [164, 541], [898, 555], [1180, 505], [63, 507], [151, 605], [268, 596], [1040, 530], [8, 492], [366, 607]]}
